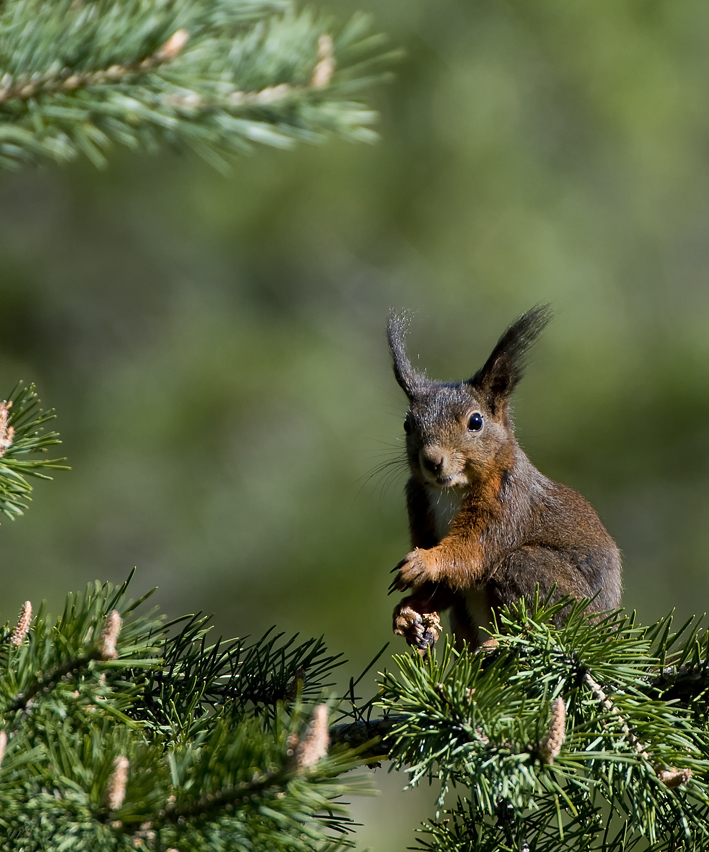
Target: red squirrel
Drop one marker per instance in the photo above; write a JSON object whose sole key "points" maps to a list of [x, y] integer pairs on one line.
{"points": [[486, 526]]}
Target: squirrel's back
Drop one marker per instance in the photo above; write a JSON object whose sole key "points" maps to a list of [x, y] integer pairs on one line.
{"points": [[560, 540]]}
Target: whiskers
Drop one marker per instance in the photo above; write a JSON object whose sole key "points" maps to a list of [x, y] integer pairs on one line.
{"points": [[387, 472]]}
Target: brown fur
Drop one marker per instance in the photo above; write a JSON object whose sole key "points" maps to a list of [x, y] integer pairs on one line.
{"points": [[511, 528]]}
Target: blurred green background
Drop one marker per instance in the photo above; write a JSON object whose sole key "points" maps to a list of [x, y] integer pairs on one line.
{"points": [[214, 345]]}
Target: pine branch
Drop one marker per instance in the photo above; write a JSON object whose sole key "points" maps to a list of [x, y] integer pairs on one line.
{"points": [[22, 433], [84, 764], [104, 650], [234, 677], [81, 77], [558, 734], [368, 737]]}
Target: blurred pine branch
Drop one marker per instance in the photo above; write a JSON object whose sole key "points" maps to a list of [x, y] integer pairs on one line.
{"points": [[216, 77]]}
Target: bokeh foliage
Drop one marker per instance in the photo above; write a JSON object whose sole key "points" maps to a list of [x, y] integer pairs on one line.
{"points": [[214, 344]]}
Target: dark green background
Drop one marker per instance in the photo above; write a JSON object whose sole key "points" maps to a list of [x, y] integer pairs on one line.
{"points": [[214, 344]]}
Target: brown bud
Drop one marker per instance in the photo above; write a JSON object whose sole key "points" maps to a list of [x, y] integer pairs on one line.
{"points": [[23, 624], [316, 741], [7, 433], [551, 745], [322, 75], [109, 636], [173, 45], [116, 792]]}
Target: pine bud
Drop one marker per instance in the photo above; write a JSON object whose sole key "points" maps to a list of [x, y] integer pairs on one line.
{"points": [[3, 745], [673, 778], [326, 66], [7, 433], [116, 792], [109, 637], [173, 45], [23, 624], [317, 739], [551, 745]]}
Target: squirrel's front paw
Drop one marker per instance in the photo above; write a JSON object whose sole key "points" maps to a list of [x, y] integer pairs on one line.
{"points": [[419, 629], [415, 569]]}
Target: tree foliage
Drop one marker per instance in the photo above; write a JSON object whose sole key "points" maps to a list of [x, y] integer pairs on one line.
{"points": [[579, 733], [149, 736], [80, 76]]}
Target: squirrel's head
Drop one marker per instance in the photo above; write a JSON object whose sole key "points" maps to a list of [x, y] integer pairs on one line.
{"points": [[459, 433]]}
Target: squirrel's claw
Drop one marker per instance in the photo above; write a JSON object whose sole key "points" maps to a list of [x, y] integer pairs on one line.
{"points": [[396, 584], [415, 569]]}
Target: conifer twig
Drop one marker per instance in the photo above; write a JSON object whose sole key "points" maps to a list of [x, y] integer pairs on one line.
{"points": [[105, 650], [210, 802], [611, 707], [25, 87], [322, 75], [214, 77], [671, 778]]}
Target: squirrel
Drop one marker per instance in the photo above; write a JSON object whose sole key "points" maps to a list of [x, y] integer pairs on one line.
{"points": [[486, 526]]}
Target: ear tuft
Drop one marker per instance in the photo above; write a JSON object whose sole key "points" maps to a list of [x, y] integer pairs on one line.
{"points": [[505, 366], [408, 378]]}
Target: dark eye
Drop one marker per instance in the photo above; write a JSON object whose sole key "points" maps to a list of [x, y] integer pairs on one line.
{"points": [[475, 424], [407, 426]]}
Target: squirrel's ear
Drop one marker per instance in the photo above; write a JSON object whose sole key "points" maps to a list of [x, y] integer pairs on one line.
{"points": [[409, 380], [505, 366]]}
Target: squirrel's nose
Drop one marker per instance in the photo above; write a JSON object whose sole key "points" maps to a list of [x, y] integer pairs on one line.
{"points": [[432, 460]]}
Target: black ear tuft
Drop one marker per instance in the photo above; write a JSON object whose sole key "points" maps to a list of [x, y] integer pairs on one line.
{"points": [[409, 380], [505, 366]]}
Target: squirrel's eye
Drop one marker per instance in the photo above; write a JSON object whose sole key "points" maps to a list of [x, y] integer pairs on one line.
{"points": [[407, 426], [475, 424]]}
